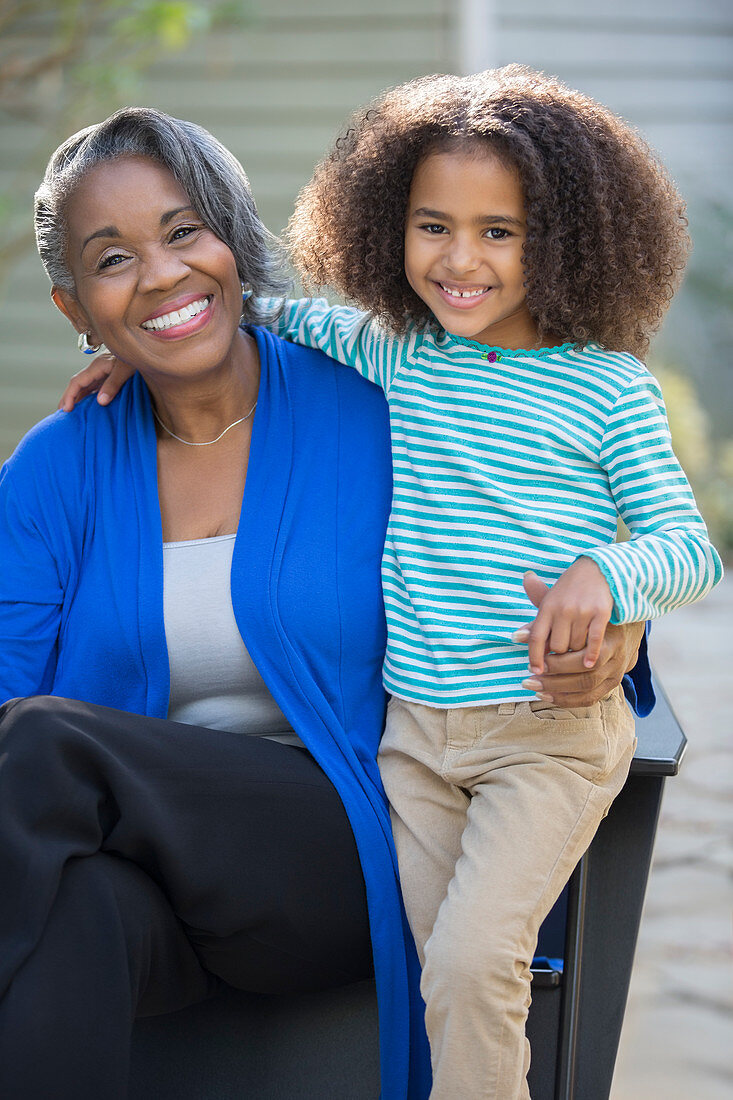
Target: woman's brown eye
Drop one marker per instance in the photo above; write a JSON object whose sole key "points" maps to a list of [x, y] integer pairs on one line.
{"points": [[110, 261]]}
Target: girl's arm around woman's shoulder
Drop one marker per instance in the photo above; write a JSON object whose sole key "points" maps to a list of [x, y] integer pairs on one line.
{"points": [[347, 335], [104, 376]]}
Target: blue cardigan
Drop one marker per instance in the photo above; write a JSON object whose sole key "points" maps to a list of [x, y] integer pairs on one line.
{"points": [[81, 601]]}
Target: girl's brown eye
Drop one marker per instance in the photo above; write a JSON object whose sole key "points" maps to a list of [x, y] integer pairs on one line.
{"points": [[183, 231]]}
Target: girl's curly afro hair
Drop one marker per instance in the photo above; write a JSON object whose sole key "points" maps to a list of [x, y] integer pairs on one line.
{"points": [[606, 228]]}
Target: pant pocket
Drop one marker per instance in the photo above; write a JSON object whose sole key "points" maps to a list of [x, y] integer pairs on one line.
{"points": [[576, 737]]}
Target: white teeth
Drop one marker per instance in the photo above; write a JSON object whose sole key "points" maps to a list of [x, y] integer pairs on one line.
{"points": [[463, 293], [177, 316]]}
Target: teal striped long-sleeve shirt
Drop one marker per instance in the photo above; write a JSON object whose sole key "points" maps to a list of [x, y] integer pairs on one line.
{"points": [[506, 461]]}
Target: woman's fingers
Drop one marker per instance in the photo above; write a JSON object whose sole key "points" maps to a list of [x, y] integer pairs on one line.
{"points": [[575, 656], [596, 632], [570, 683]]}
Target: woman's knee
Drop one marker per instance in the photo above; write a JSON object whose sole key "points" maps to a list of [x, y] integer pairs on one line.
{"points": [[110, 948], [26, 729], [31, 708], [129, 929], [39, 738], [33, 717]]}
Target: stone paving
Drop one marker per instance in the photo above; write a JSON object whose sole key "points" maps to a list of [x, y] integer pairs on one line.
{"points": [[677, 1042]]}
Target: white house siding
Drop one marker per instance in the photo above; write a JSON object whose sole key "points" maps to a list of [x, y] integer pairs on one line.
{"points": [[276, 90], [667, 67]]}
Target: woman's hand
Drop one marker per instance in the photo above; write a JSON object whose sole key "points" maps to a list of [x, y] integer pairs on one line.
{"points": [[104, 376], [567, 682], [572, 616]]}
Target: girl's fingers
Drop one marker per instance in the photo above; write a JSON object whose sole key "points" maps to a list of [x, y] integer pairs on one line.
{"points": [[535, 588], [538, 640], [86, 381], [116, 377], [75, 392], [107, 390], [596, 630], [560, 635], [578, 635]]}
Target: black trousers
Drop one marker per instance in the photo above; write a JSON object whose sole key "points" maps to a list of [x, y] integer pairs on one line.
{"points": [[143, 864]]}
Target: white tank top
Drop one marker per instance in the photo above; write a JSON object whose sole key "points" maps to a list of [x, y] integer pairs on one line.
{"points": [[214, 682]]}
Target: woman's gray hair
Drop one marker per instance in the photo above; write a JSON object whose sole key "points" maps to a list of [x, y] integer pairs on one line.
{"points": [[211, 176]]}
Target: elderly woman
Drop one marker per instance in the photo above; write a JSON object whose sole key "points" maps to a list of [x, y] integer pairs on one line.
{"points": [[192, 635]]}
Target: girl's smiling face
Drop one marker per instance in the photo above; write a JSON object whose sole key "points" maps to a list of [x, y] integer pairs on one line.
{"points": [[464, 237], [153, 283]]}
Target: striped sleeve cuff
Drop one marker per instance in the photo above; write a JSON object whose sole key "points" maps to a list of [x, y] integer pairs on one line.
{"points": [[652, 575]]}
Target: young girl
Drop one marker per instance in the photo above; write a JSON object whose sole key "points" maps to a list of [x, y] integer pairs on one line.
{"points": [[514, 245]]}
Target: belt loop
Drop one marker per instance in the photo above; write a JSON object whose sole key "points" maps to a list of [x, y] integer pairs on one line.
{"points": [[506, 708]]}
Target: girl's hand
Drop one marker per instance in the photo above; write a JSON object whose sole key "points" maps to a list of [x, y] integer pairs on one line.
{"points": [[105, 375], [572, 616], [566, 682]]}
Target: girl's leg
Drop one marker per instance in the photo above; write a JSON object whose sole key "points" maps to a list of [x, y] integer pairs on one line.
{"points": [[428, 814], [533, 811], [111, 946]]}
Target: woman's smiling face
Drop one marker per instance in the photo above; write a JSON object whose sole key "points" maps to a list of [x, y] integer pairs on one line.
{"points": [[140, 254]]}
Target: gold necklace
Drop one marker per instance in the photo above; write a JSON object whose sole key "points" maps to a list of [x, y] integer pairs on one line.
{"points": [[208, 442]]}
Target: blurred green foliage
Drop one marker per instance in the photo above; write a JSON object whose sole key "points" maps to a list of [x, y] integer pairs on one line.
{"points": [[87, 49], [698, 334], [65, 63], [707, 461]]}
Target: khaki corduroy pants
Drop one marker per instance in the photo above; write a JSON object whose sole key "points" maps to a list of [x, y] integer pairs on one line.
{"points": [[492, 807]]}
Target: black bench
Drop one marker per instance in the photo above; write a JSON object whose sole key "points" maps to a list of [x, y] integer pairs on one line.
{"points": [[310, 1047]]}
